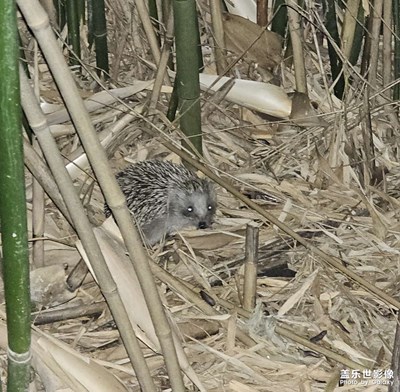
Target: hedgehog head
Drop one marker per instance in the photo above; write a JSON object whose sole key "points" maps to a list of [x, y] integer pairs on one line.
{"points": [[192, 204]]}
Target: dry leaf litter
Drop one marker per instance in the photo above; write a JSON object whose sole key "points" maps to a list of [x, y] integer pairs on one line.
{"points": [[308, 177]]}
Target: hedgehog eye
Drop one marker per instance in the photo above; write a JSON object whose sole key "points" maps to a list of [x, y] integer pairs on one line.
{"points": [[190, 209], [209, 207]]}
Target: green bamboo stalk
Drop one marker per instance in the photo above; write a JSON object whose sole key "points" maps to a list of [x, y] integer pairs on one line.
{"points": [[13, 205], [73, 31], [153, 9], [173, 102], [187, 63], [336, 64], [100, 37], [90, 22], [153, 13], [81, 5], [279, 21]]}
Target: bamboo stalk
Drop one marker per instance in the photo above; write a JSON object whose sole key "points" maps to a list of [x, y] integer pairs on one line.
{"points": [[148, 29], [100, 38], [262, 12], [296, 37], [38, 214], [375, 39], [38, 23], [164, 59], [250, 267], [335, 56], [73, 31], [13, 206], [396, 28], [349, 26], [43, 176], [387, 62], [218, 34], [39, 125], [279, 20], [187, 64], [60, 14]]}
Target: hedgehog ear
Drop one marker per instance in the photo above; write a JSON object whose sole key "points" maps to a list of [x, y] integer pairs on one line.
{"points": [[211, 189]]}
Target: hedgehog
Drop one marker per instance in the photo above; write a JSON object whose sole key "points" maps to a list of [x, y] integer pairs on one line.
{"points": [[165, 197]]}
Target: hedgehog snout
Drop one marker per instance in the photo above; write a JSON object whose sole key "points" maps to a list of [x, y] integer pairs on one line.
{"points": [[202, 225]]}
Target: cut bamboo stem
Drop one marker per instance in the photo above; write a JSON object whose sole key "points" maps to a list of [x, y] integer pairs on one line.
{"points": [[250, 267]]}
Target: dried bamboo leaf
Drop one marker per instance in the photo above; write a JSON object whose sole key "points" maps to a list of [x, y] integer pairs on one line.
{"points": [[296, 297], [240, 34]]}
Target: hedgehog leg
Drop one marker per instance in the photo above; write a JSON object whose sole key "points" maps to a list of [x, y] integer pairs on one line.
{"points": [[155, 231]]}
